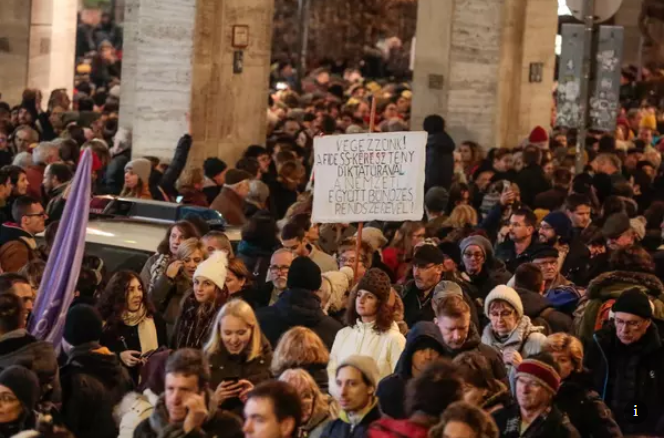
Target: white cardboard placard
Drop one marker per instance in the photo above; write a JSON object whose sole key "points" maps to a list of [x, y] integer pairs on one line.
{"points": [[365, 177]]}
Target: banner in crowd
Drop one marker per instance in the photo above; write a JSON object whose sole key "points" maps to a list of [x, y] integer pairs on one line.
{"points": [[58, 286], [365, 177]]}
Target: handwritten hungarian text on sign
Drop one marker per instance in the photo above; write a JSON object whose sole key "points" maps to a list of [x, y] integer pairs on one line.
{"points": [[364, 177]]}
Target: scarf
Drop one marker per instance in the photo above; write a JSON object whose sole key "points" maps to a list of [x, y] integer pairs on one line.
{"points": [[147, 331], [158, 267]]}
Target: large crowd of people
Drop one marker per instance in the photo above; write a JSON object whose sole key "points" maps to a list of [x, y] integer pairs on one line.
{"points": [[527, 302]]}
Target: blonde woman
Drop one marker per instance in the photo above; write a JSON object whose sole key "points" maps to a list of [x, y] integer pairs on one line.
{"points": [[585, 409], [461, 216], [239, 355], [315, 405], [300, 347], [173, 284]]}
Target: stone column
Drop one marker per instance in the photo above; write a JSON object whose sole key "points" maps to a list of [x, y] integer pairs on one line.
{"points": [[37, 46], [628, 17], [472, 62], [178, 59]]}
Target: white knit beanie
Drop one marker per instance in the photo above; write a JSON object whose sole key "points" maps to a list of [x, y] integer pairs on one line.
{"points": [[504, 293], [215, 269]]}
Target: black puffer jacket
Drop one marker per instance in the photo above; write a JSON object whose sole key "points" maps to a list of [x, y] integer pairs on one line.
{"points": [[297, 307], [93, 382], [555, 424], [440, 161], [391, 390], [628, 375], [585, 409]]}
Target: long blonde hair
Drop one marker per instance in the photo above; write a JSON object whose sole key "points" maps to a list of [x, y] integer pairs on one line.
{"points": [[239, 309], [461, 216], [299, 347]]}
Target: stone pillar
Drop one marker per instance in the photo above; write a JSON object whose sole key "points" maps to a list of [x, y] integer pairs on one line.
{"points": [[628, 17], [472, 62], [178, 59], [37, 46]]}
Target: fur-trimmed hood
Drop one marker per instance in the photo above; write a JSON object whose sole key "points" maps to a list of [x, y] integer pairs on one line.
{"points": [[609, 283]]}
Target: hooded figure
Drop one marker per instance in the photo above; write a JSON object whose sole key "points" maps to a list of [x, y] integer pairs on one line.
{"points": [[391, 390]]}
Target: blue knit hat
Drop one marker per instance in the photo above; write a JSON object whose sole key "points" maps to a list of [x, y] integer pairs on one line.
{"points": [[560, 223]]}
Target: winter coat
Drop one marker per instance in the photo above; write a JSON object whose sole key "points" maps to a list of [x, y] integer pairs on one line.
{"points": [[526, 339], [114, 176], [439, 167], [416, 310], [167, 296], [219, 424], [297, 307], [506, 251], [226, 366], [256, 257], [191, 196], [93, 382], [391, 391], [535, 306], [609, 286], [394, 428], [316, 424], [17, 247], [194, 325], [532, 181], [56, 202], [585, 409], [18, 347], [474, 343], [342, 428], [281, 198], [133, 409], [325, 262], [492, 274], [231, 207], [628, 375], [362, 339], [577, 263], [554, 424], [121, 337]]}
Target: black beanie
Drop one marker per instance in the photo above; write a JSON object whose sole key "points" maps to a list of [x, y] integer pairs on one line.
{"points": [[634, 302], [83, 324], [213, 167], [304, 274], [23, 383]]}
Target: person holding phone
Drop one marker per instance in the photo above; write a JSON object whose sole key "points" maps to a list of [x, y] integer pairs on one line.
{"points": [[239, 355], [132, 328], [173, 284]]}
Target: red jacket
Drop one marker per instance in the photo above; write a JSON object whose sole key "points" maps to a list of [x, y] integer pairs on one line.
{"points": [[389, 428]]}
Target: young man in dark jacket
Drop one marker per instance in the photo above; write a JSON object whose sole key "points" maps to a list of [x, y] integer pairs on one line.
{"points": [[93, 379], [356, 379], [440, 154], [522, 240], [299, 305], [273, 410], [459, 335], [187, 407], [424, 344], [534, 415], [626, 360]]}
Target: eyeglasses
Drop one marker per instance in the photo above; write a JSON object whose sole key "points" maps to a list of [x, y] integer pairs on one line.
{"points": [[473, 255], [42, 214], [7, 398], [632, 325], [501, 315], [277, 268]]}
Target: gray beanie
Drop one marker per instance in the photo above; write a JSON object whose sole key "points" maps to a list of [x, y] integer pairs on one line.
{"points": [[141, 167], [482, 242], [364, 364]]}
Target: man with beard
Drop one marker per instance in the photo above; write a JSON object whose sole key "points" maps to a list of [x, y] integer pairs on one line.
{"points": [[277, 276], [522, 240], [556, 230], [534, 415], [427, 272]]}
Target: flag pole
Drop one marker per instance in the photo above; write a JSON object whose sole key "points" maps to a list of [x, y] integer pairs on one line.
{"points": [[360, 226]]}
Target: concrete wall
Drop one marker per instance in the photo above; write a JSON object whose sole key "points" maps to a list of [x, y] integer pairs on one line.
{"points": [[483, 50], [37, 46]]}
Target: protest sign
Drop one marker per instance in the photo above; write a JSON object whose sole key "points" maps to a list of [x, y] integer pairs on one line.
{"points": [[365, 177]]}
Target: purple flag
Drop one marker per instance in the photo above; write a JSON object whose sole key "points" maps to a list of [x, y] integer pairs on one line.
{"points": [[58, 285]]}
